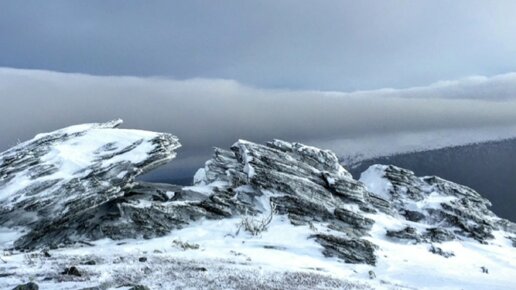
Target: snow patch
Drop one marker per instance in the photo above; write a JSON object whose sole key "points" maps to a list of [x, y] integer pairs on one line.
{"points": [[374, 181]]}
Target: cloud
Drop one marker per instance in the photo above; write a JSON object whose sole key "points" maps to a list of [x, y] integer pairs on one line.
{"points": [[298, 44], [498, 87], [204, 113]]}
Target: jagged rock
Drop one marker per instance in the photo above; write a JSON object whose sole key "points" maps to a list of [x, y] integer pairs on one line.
{"points": [[412, 215], [140, 215], [465, 216], [300, 210], [28, 286], [377, 202], [372, 274], [50, 182], [438, 251], [305, 183], [438, 235], [70, 197], [348, 189], [160, 192], [89, 263], [353, 219], [72, 271], [440, 202], [354, 251], [408, 233]]}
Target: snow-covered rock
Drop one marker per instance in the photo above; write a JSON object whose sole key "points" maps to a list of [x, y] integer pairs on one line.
{"points": [[53, 183], [446, 210], [285, 209], [306, 184]]}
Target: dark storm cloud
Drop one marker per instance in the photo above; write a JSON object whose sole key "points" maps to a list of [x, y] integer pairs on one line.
{"points": [[336, 45], [205, 113]]}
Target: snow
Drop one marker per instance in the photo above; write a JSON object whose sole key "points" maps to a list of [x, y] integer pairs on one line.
{"points": [[206, 189], [281, 248], [249, 170], [199, 176], [415, 266], [8, 236], [375, 183], [247, 158]]}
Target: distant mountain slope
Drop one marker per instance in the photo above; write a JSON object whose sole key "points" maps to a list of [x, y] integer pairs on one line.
{"points": [[489, 168]]}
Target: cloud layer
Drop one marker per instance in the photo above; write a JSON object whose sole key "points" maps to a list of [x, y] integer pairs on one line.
{"points": [[204, 113]]}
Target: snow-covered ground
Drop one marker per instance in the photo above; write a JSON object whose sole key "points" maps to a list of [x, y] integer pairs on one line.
{"points": [[210, 254], [415, 266], [199, 256]]}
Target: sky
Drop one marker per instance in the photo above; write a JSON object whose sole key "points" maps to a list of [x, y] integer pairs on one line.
{"points": [[362, 78], [289, 44]]}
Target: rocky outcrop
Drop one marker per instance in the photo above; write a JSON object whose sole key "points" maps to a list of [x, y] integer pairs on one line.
{"points": [[438, 251], [306, 184], [438, 235], [56, 181], [350, 250], [408, 233], [79, 183], [447, 210]]}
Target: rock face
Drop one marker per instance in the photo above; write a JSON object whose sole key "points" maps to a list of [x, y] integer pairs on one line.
{"points": [[305, 183], [311, 187], [445, 210], [52, 183], [78, 183]]}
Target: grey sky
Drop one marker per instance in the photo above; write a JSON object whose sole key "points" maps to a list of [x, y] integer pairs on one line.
{"points": [[318, 45]]}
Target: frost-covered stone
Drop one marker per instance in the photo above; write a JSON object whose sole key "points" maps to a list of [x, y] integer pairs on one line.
{"points": [[350, 250], [448, 210], [310, 187], [305, 183], [438, 235], [438, 251], [49, 183], [408, 233], [354, 219]]}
